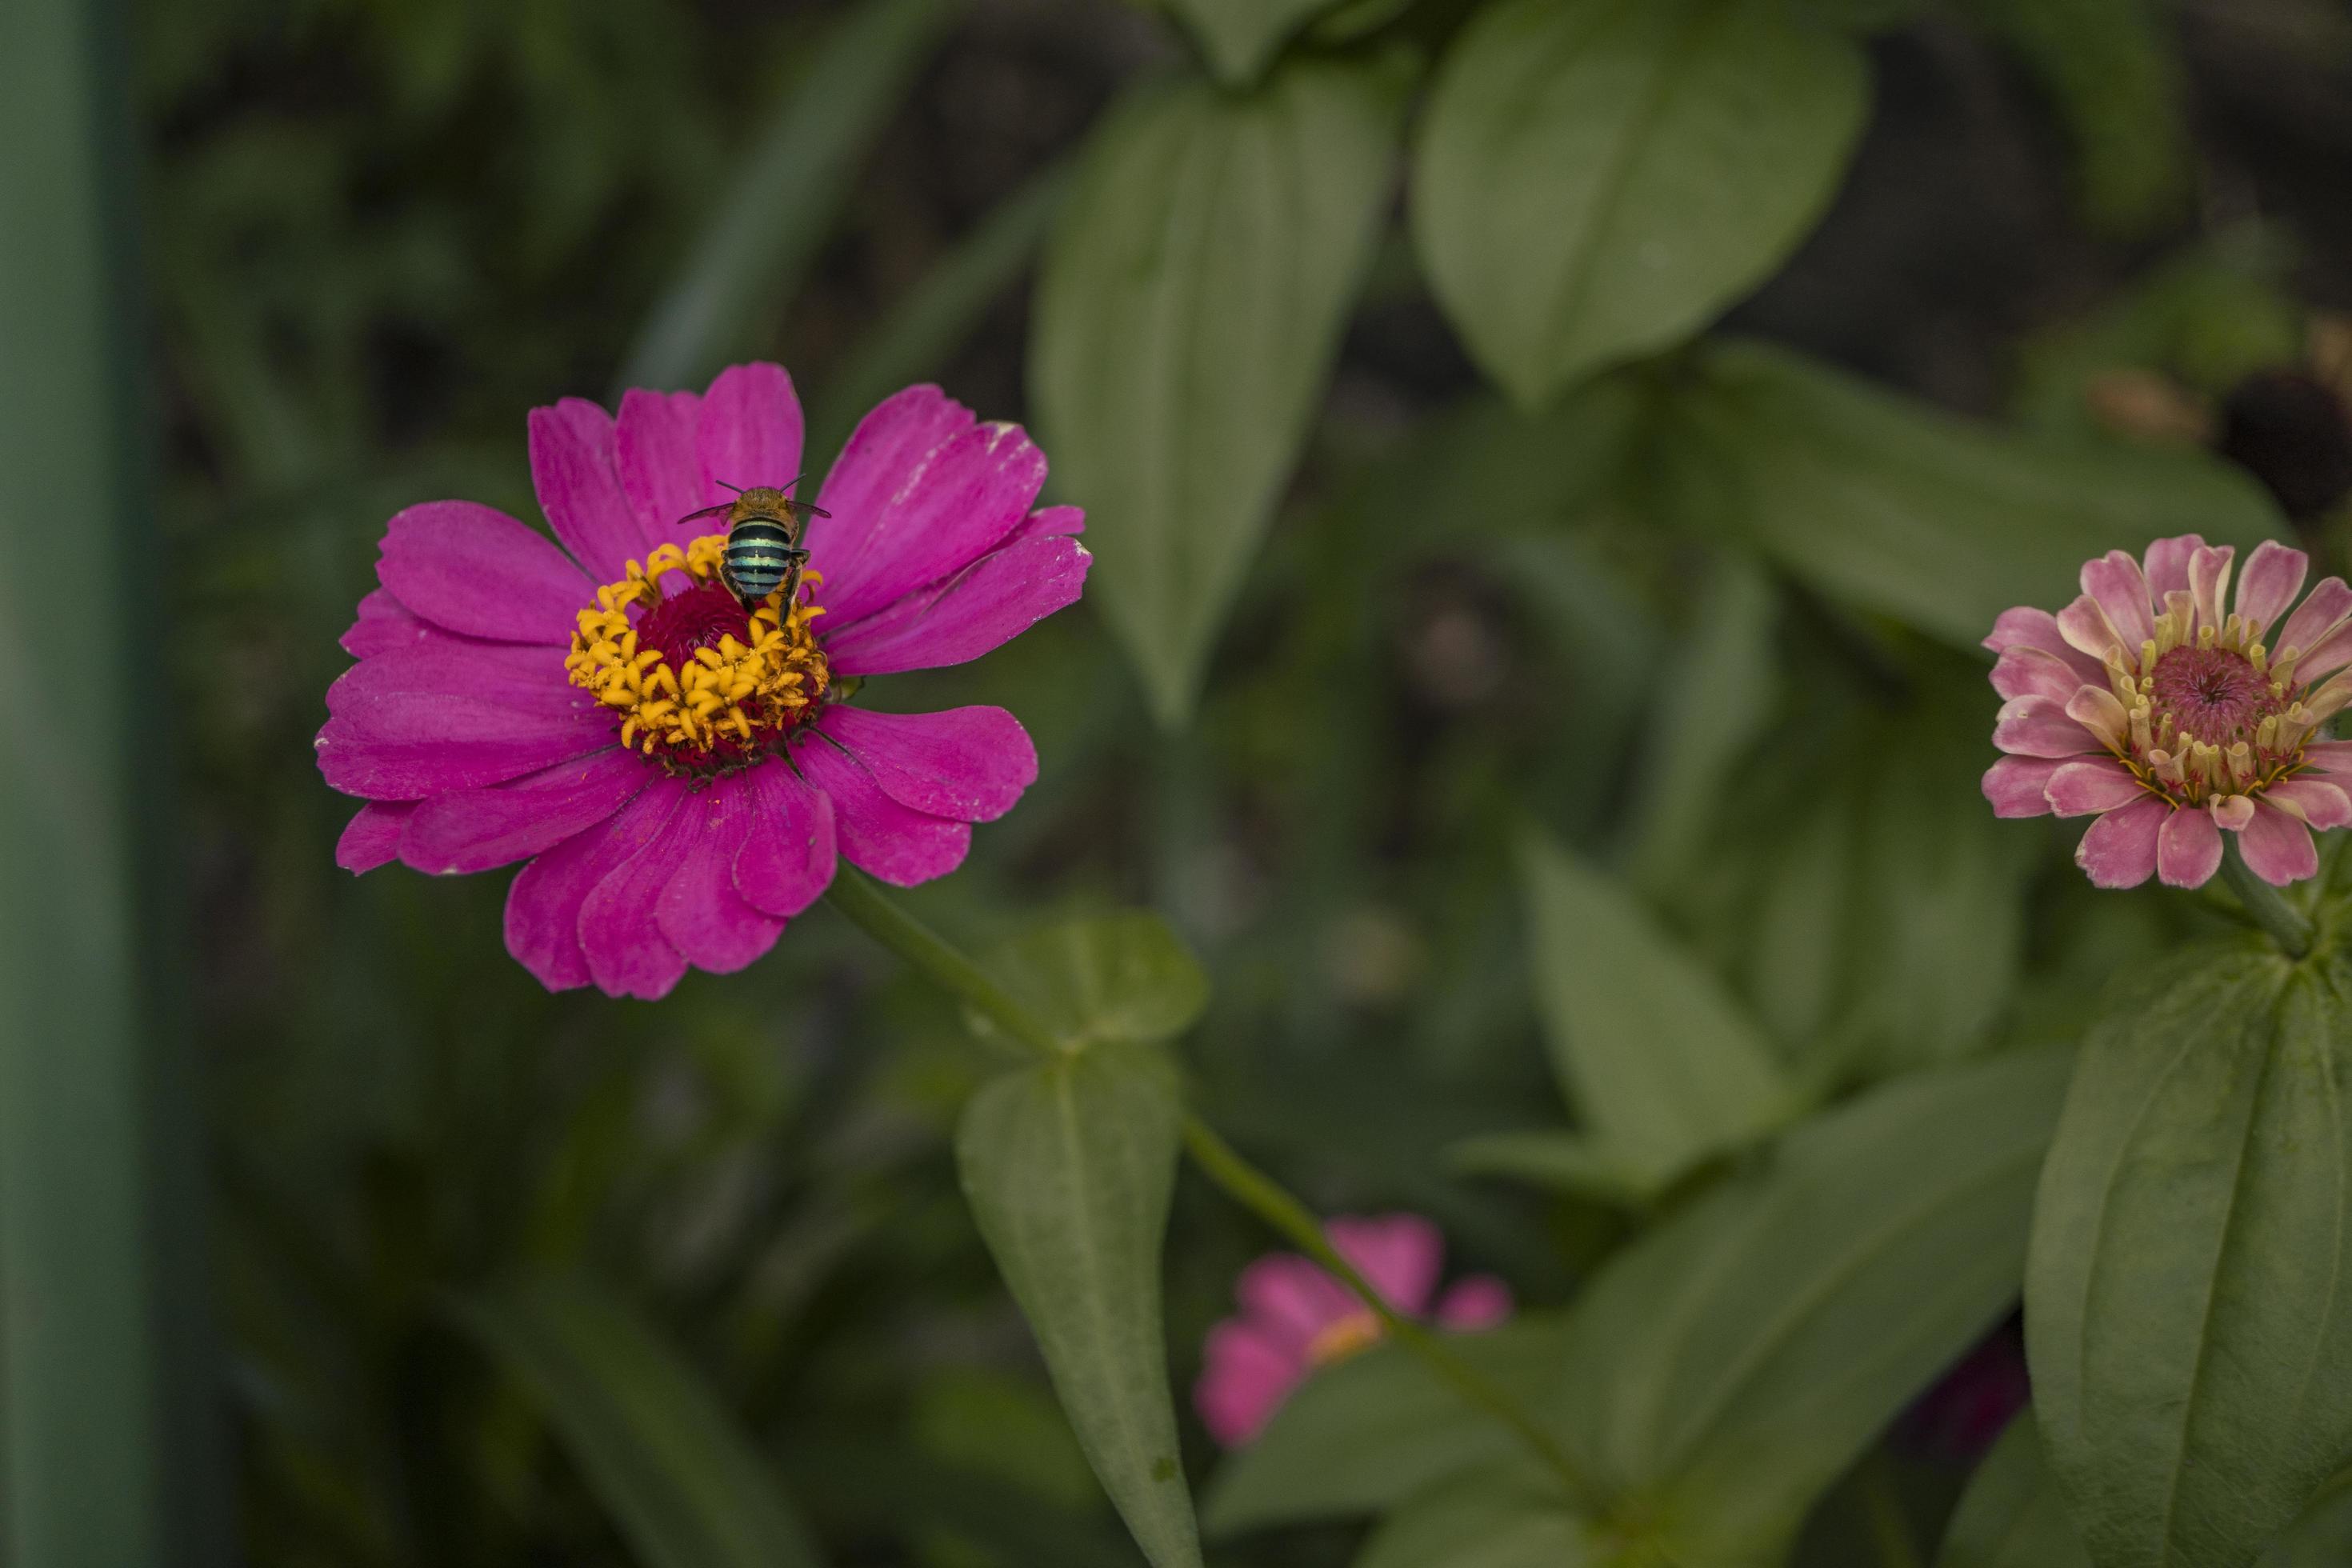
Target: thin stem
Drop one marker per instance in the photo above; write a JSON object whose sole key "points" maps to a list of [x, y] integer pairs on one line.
{"points": [[1258, 1193], [2263, 903], [855, 895]]}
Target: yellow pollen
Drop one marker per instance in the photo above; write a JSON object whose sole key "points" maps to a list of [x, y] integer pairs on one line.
{"points": [[1347, 1336], [721, 707]]}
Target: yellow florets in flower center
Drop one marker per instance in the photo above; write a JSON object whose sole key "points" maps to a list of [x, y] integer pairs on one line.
{"points": [[2214, 715], [698, 684]]}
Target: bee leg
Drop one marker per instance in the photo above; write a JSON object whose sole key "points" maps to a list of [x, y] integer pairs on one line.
{"points": [[798, 559]]}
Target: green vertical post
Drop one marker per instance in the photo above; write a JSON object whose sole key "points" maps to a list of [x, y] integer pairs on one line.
{"points": [[95, 1400]]}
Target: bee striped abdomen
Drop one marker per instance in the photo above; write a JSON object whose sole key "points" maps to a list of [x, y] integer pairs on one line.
{"points": [[759, 553]]}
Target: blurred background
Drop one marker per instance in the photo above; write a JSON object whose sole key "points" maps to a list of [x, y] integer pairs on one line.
{"points": [[371, 234]]}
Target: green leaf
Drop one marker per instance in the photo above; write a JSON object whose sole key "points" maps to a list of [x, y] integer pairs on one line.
{"points": [[1902, 509], [1662, 1066], [2012, 1516], [1116, 977], [1241, 36], [1187, 316], [1365, 1435], [779, 211], [1726, 1369], [678, 1475], [1597, 179], [2187, 1317], [1487, 1521], [1068, 1167]]}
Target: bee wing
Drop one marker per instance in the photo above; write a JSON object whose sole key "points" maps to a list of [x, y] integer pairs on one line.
{"points": [[706, 512], [801, 506]]}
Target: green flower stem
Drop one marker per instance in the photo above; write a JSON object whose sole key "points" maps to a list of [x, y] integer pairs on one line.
{"points": [[1258, 1193], [2264, 904], [856, 896]]}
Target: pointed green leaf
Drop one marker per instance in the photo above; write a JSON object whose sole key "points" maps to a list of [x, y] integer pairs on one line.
{"points": [[1187, 315], [1725, 1370], [1241, 36], [1902, 509], [1597, 179], [1500, 1520], [1362, 1436], [1068, 1167], [679, 1476], [1115, 977], [2189, 1314], [2012, 1516], [1664, 1066]]}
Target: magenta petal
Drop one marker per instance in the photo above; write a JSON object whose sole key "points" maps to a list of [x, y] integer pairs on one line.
{"points": [[955, 508], [2015, 785], [699, 911], [1244, 1378], [2322, 804], [751, 428], [576, 472], [970, 764], [2089, 787], [2278, 847], [1048, 522], [891, 443], [987, 604], [1292, 1299], [2117, 584], [620, 928], [474, 829], [1399, 1254], [1473, 1302], [2037, 727], [383, 694], [379, 769], [2268, 584], [2026, 626], [2188, 849], [658, 441], [543, 919], [895, 842], [475, 570], [372, 836], [2168, 564], [2119, 851], [787, 860], [2030, 672], [385, 624]]}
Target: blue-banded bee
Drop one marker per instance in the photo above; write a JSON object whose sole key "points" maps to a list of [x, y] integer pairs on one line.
{"points": [[763, 541]]}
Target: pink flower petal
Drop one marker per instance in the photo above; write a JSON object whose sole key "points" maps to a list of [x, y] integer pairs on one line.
{"points": [[497, 679], [472, 569], [372, 836], [1400, 1254], [699, 911], [2168, 564], [403, 769], [2278, 847], [2016, 786], [969, 763], [2209, 583], [969, 495], [2030, 672], [1244, 1378], [897, 842], [2037, 727], [2117, 583], [892, 442], [994, 600], [2231, 812], [787, 859], [2088, 631], [2188, 849], [476, 829], [2097, 709], [2328, 756], [576, 472], [2272, 577], [1048, 522], [1473, 1302], [1292, 1299], [2025, 626], [2119, 851], [2334, 652], [620, 929], [2091, 787], [2322, 804], [751, 432], [2322, 611], [544, 905], [658, 444]]}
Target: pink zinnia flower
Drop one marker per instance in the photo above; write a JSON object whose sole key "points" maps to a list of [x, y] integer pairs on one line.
{"points": [[2145, 704], [1294, 1317], [679, 773]]}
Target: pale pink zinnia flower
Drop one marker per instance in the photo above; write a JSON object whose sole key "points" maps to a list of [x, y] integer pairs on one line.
{"points": [[680, 774], [2145, 703], [1296, 1317]]}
